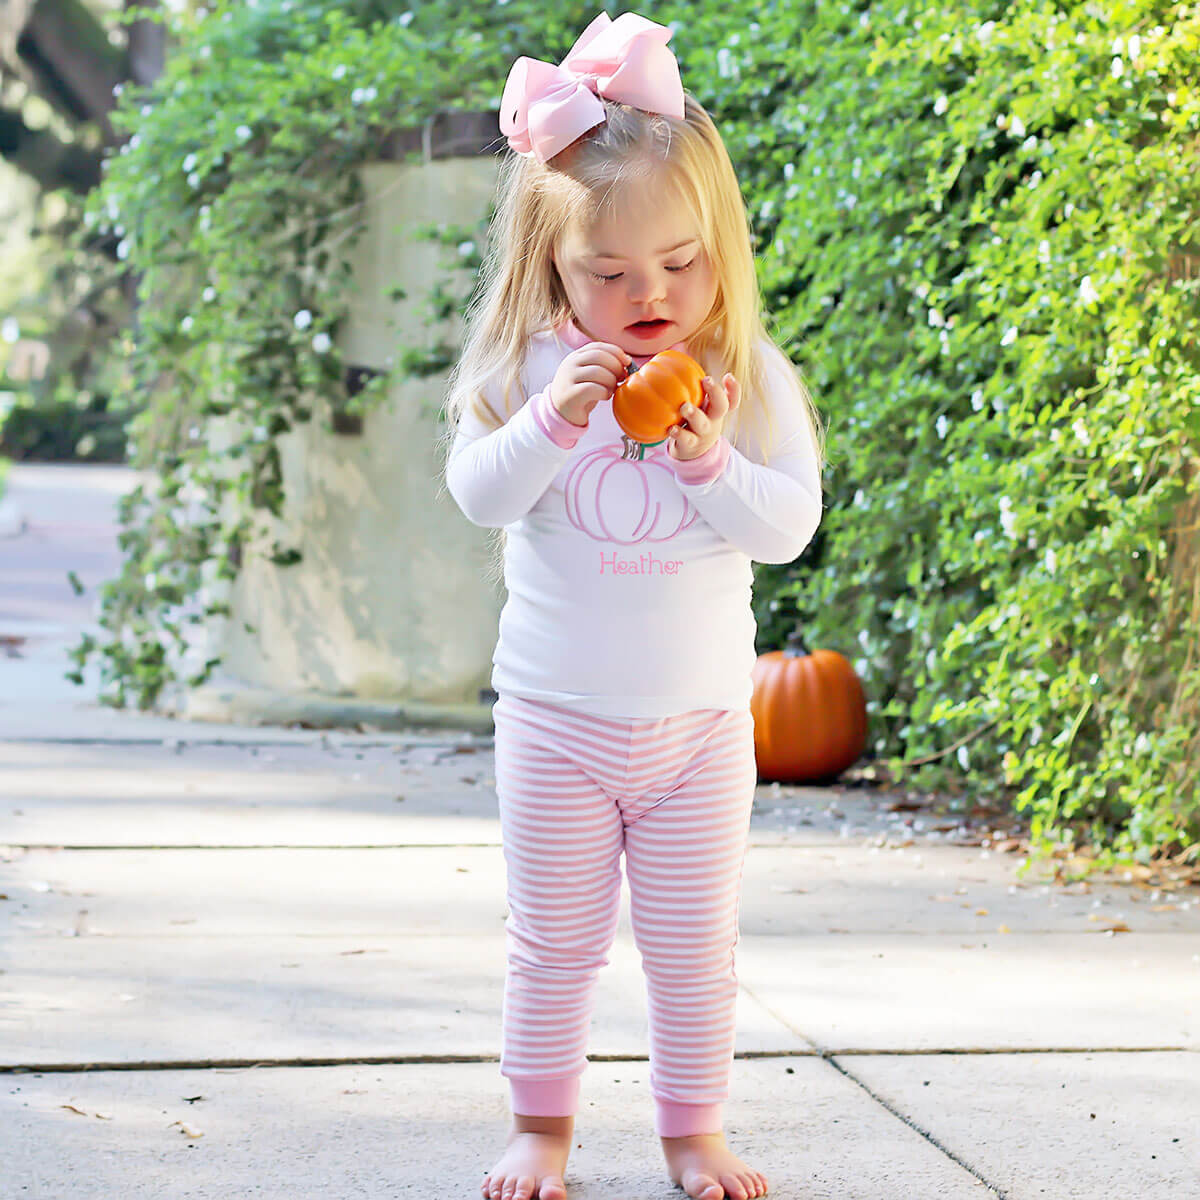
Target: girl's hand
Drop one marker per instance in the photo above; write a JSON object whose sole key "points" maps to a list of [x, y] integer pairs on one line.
{"points": [[587, 376], [702, 428]]}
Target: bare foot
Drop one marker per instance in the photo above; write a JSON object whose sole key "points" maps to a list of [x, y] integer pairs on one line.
{"points": [[533, 1163], [708, 1170]]}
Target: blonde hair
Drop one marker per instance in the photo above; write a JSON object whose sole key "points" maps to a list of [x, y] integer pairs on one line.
{"points": [[520, 292]]}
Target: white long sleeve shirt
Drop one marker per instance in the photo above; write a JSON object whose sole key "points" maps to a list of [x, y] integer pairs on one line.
{"points": [[628, 571]]}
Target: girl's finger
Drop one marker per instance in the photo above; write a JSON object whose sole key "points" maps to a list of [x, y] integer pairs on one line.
{"points": [[697, 421], [718, 400], [733, 388]]}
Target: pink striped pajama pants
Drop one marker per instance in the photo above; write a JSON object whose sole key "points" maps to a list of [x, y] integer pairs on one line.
{"points": [[675, 794]]}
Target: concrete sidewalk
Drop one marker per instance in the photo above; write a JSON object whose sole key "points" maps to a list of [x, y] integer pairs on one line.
{"points": [[261, 961]]}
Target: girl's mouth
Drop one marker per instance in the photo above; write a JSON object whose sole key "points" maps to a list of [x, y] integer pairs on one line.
{"points": [[647, 329]]}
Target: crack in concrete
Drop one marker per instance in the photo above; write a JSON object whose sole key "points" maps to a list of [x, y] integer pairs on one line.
{"points": [[919, 1129]]}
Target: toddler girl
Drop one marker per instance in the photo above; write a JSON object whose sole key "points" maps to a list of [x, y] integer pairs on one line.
{"points": [[626, 643]]}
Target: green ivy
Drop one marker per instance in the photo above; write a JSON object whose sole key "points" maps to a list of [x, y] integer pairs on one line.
{"points": [[967, 217]]}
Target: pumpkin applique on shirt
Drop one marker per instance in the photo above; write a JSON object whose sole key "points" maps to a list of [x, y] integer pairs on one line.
{"points": [[608, 495]]}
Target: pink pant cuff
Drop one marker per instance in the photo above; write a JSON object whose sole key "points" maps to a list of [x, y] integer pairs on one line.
{"points": [[545, 1097], [673, 1118]]}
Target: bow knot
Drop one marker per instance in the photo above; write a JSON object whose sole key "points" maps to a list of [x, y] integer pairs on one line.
{"points": [[545, 107]]}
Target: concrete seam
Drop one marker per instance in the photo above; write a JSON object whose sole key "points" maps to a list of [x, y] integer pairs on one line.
{"points": [[239, 1064]]}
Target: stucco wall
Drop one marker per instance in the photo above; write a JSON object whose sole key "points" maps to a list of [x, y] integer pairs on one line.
{"points": [[389, 600]]}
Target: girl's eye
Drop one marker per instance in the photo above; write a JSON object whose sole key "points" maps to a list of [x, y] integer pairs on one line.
{"points": [[610, 278]]}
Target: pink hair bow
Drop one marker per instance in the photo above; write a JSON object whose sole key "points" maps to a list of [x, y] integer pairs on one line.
{"points": [[546, 107]]}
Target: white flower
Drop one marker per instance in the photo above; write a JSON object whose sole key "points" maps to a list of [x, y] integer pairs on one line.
{"points": [[1051, 561], [1010, 336], [936, 318], [1043, 251], [244, 132], [1118, 68], [370, 93], [210, 294], [942, 425], [789, 169], [940, 105], [1016, 127], [123, 248], [321, 342], [339, 71], [1135, 45], [725, 67], [194, 179], [1006, 517], [189, 163], [977, 399], [1081, 432], [356, 96], [964, 759], [10, 331], [985, 31], [406, 18], [303, 319], [465, 248], [186, 324], [1087, 293]]}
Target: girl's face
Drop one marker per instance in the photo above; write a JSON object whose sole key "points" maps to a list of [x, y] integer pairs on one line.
{"points": [[642, 263]]}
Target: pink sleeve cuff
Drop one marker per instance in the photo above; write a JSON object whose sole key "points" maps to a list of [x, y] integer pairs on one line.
{"points": [[704, 469], [552, 423]]}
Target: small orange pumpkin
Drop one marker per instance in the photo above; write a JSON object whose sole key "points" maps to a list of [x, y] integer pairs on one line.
{"points": [[646, 404], [810, 714]]}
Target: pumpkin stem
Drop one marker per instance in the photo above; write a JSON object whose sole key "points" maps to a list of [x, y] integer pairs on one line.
{"points": [[795, 647]]}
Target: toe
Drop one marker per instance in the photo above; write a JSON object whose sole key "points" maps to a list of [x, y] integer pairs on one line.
{"points": [[524, 1187], [762, 1183], [733, 1187], [553, 1188], [702, 1186]]}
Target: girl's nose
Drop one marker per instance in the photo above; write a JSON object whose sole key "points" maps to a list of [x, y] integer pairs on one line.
{"points": [[647, 289]]}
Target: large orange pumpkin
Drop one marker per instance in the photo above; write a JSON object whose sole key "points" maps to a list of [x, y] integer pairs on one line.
{"points": [[810, 714], [646, 404]]}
